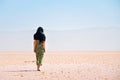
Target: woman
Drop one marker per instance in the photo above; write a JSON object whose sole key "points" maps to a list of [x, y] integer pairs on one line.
{"points": [[39, 46]]}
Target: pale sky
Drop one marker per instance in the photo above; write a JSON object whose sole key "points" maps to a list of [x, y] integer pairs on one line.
{"points": [[58, 14], [68, 24]]}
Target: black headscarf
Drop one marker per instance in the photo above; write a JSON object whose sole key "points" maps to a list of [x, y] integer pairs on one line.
{"points": [[39, 35]]}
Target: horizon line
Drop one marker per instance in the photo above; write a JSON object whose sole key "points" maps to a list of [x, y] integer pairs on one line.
{"points": [[61, 29]]}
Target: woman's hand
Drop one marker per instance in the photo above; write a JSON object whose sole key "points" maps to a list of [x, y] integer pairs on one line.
{"points": [[34, 43], [44, 50], [34, 50]]}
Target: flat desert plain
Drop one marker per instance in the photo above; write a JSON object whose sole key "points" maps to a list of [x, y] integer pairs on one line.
{"points": [[60, 65]]}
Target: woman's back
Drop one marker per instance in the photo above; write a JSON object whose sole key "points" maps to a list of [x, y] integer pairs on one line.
{"points": [[39, 46]]}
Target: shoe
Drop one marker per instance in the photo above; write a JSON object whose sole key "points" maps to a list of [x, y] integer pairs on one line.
{"points": [[38, 69]]}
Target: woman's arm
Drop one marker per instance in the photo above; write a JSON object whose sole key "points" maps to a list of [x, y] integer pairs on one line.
{"points": [[34, 45]]}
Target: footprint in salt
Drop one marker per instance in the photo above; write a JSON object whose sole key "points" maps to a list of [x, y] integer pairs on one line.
{"points": [[29, 61], [61, 71], [18, 75], [51, 73], [21, 75], [15, 75], [106, 78], [69, 72], [43, 73]]}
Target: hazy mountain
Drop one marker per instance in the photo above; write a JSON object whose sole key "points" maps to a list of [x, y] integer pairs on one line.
{"points": [[83, 39]]}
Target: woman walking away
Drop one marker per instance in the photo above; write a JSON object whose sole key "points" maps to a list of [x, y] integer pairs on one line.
{"points": [[39, 46]]}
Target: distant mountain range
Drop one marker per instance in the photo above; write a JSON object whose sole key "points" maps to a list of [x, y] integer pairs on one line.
{"points": [[82, 39]]}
